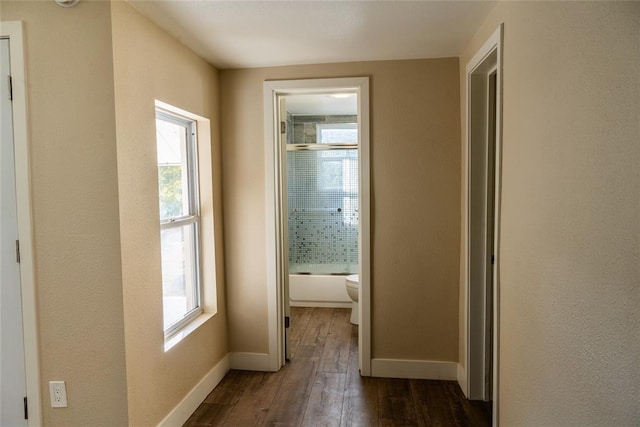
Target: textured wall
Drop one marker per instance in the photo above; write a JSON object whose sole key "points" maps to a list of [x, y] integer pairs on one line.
{"points": [[149, 65], [570, 272], [75, 208], [415, 155]]}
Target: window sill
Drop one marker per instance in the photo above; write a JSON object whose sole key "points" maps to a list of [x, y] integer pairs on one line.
{"points": [[187, 330]]}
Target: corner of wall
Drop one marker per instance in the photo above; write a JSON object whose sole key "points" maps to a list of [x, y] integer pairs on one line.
{"points": [[187, 406], [461, 376]]}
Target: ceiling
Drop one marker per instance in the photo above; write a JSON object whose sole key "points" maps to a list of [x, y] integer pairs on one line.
{"points": [[247, 34]]}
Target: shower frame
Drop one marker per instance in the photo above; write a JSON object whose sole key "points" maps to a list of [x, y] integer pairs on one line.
{"points": [[292, 148]]}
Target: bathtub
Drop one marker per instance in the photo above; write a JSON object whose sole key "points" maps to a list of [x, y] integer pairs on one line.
{"points": [[323, 288], [306, 290]]}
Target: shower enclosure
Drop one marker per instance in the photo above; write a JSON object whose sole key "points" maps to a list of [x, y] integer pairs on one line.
{"points": [[322, 200]]}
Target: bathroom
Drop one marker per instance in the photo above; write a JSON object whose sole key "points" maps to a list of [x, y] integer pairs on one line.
{"points": [[322, 200]]}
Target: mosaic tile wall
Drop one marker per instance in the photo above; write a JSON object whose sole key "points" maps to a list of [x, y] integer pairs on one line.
{"points": [[323, 208]]}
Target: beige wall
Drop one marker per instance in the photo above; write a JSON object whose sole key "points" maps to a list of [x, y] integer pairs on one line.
{"points": [[149, 65], [415, 157], [75, 208], [570, 272]]}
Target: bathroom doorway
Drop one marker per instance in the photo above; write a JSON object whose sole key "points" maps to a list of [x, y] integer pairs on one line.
{"points": [[317, 145]]}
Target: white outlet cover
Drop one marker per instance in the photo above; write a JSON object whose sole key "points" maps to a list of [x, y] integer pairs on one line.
{"points": [[58, 394]]}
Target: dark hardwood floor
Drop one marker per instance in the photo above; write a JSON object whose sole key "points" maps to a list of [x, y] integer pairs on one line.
{"points": [[321, 386]]}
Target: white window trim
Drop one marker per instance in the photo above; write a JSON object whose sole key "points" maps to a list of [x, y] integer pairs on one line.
{"points": [[192, 217], [205, 229]]}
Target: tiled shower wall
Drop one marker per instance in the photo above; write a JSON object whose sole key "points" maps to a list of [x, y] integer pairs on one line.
{"points": [[322, 204]]}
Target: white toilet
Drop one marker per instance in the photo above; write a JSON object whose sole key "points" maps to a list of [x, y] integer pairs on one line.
{"points": [[353, 283]]}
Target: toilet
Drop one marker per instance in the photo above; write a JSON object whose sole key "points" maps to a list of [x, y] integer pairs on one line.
{"points": [[352, 284]]}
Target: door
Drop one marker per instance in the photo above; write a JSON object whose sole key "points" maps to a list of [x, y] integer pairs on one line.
{"points": [[490, 261], [12, 362], [482, 229], [284, 221]]}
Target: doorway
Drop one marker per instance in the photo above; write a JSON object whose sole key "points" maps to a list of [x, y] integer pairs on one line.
{"points": [[332, 162], [482, 213], [20, 373]]}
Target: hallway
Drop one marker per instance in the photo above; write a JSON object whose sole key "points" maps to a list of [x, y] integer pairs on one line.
{"points": [[321, 386]]}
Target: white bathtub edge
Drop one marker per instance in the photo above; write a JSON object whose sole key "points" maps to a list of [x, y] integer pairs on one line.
{"points": [[320, 304], [306, 289]]}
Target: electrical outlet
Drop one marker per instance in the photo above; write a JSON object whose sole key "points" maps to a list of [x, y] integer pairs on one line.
{"points": [[58, 394]]}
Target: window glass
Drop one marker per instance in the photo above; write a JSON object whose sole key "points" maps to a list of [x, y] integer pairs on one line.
{"points": [[179, 220], [172, 169], [179, 287], [337, 133], [337, 170]]}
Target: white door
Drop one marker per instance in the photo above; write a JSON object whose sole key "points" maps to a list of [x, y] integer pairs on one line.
{"points": [[284, 225], [491, 236], [13, 387]]}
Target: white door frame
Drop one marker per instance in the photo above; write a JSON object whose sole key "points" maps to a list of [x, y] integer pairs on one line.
{"points": [[14, 32], [493, 46], [272, 89]]}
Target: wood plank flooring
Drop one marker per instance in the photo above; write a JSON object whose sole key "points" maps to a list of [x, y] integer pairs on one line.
{"points": [[321, 386]]}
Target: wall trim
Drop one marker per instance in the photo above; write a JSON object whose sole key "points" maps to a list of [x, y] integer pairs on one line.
{"points": [[187, 406], [249, 361], [415, 369], [462, 376]]}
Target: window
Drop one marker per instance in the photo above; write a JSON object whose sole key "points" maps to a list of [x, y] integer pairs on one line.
{"points": [[337, 133], [337, 169], [179, 220]]}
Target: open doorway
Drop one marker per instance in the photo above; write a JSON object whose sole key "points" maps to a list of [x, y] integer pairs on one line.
{"points": [[320, 202], [482, 214], [317, 142]]}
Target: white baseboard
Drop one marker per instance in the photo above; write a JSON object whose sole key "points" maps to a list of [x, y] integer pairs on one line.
{"points": [[418, 369], [250, 361], [320, 304], [462, 380], [181, 413]]}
